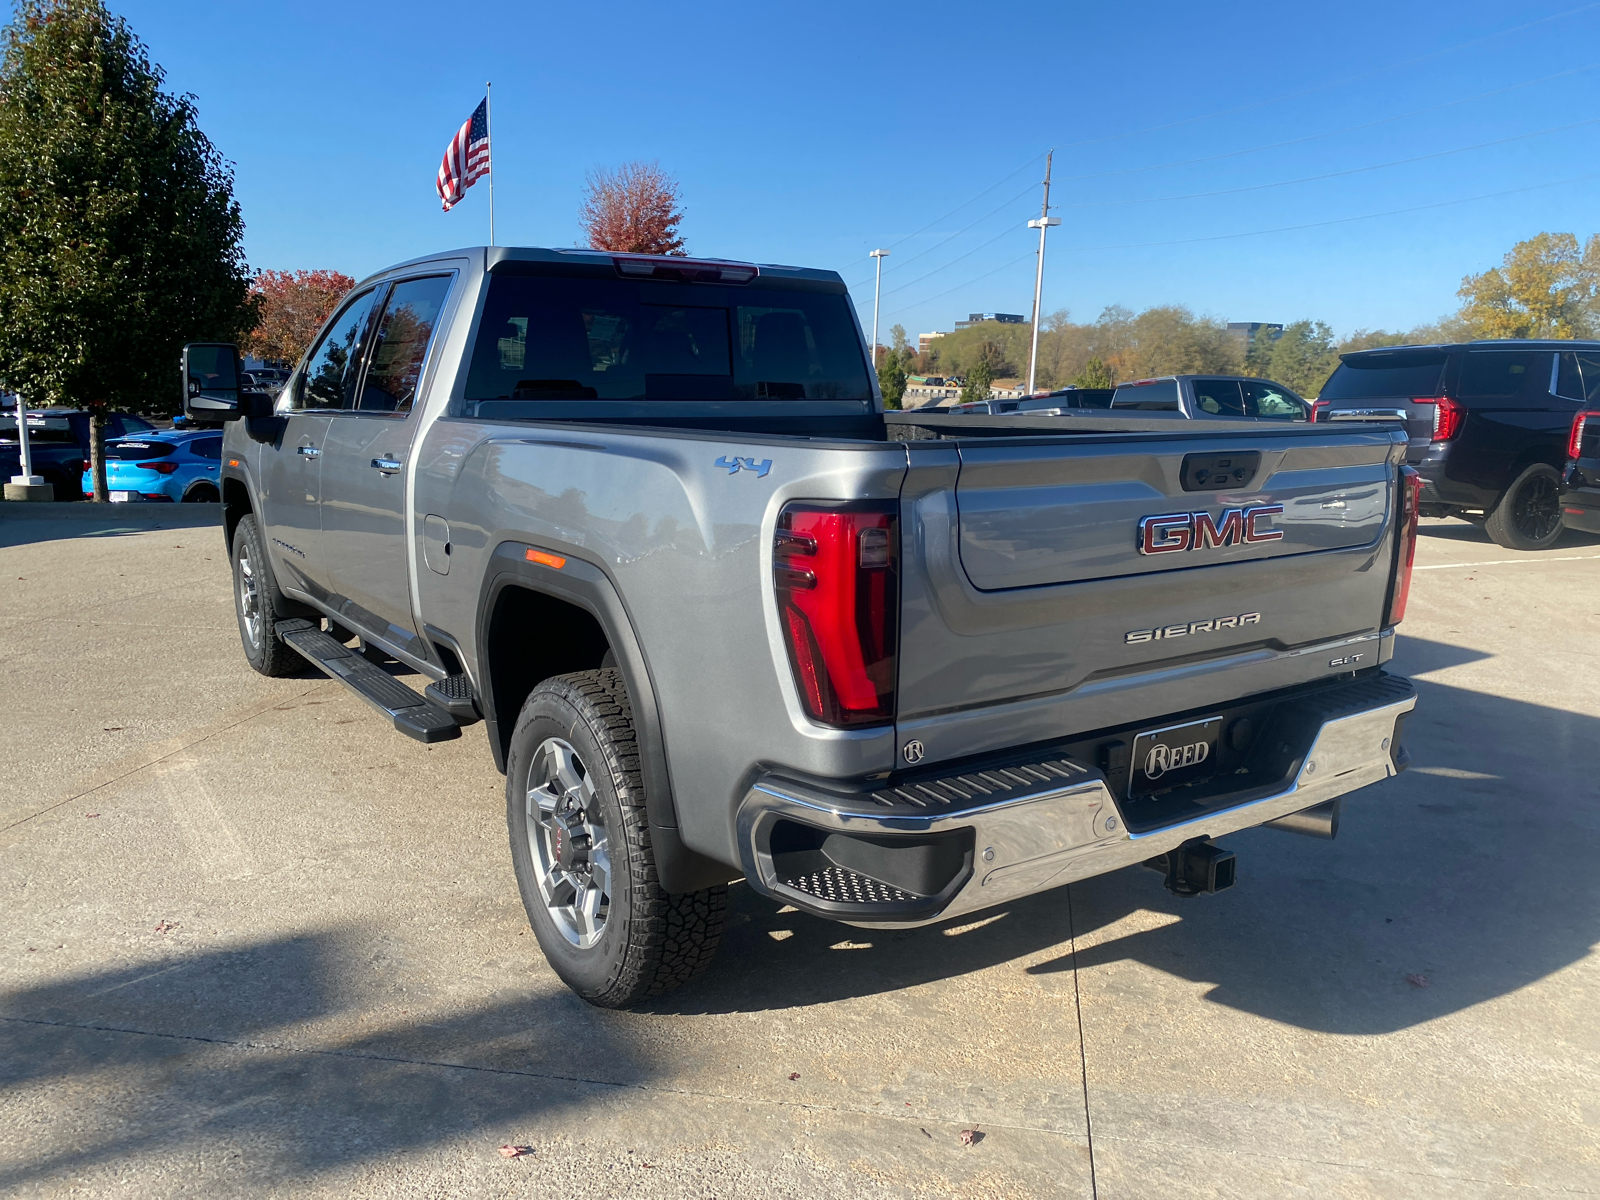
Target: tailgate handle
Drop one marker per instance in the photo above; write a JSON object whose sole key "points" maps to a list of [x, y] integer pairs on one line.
{"points": [[1218, 472]]}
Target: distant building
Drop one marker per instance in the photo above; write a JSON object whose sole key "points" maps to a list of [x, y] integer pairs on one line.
{"points": [[1248, 331], [924, 340], [1003, 318]]}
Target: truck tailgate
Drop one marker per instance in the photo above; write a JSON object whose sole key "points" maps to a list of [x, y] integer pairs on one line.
{"points": [[1030, 611]]}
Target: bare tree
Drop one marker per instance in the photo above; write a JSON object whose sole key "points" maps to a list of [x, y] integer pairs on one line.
{"points": [[634, 209]]}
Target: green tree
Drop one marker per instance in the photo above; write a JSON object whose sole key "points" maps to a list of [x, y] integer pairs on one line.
{"points": [[119, 233], [898, 340], [1095, 374], [979, 376], [1545, 287], [892, 376], [1301, 357]]}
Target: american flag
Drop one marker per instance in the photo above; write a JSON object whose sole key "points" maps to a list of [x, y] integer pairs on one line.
{"points": [[466, 159]]}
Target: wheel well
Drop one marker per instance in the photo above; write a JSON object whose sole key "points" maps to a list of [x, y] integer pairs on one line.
{"points": [[235, 507], [531, 637]]}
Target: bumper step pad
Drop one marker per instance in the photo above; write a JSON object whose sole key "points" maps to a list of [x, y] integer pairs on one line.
{"points": [[413, 715]]}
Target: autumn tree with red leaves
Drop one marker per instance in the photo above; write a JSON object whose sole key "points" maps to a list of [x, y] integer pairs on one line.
{"points": [[633, 209], [293, 306]]}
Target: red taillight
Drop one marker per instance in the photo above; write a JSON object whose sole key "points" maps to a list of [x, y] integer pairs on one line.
{"points": [[1405, 551], [1448, 416], [1575, 440], [164, 468], [1318, 407], [838, 600]]}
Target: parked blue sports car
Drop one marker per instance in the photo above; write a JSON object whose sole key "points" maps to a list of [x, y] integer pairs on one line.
{"points": [[162, 466]]}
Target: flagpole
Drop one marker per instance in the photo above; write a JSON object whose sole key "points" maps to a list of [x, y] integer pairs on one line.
{"points": [[489, 131]]}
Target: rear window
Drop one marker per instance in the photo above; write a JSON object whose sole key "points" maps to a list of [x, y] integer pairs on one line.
{"points": [[551, 338], [1160, 395], [138, 451], [42, 431], [1385, 377]]}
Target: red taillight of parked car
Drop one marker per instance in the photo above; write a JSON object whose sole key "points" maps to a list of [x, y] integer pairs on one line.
{"points": [[1318, 407], [838, 600], [1448, 416], [1405, 551], [1575, 439], [165, 468]]}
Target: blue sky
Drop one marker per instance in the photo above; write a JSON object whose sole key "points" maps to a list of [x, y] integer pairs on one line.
{"points": [[811, 132]]}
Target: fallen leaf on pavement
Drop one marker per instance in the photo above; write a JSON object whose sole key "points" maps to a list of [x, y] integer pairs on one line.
{"points": [[91, 814], [927, 1135], [1417, 980], [793, 1075], [113, 729], [165, 926], [971, 1137], [515, 1151]]}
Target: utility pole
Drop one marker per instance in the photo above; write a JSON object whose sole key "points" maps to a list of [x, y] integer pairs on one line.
{"points": [[877, 288], [1042, 224], [26, 486]]}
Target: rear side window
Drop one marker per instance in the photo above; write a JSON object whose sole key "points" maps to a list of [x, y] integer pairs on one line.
{"points": [[554, 338], [400, 346], [1504, 374], [1218, 397], [1385, 377], [1159, 395], [1589, 365], [140, 451], [206, 447]]}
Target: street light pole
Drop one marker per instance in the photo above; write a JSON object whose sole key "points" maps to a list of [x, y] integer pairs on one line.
{"points": [[877, 289], [1042, 224]]}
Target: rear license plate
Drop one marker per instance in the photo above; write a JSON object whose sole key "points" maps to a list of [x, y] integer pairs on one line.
{"points": [[1164, 758], [121, 497]]}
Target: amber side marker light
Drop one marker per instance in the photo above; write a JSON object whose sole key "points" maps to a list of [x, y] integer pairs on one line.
{"points": [[545, 559], [233, 462]]}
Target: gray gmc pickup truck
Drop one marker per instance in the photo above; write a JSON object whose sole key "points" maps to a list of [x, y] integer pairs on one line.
{"points": [[723, 617]]}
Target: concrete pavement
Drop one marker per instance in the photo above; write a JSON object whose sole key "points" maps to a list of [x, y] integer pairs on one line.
{"points": [[259, 944]]}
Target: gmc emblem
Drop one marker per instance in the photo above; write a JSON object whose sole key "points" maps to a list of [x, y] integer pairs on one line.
{"points": [[1171, 532]]}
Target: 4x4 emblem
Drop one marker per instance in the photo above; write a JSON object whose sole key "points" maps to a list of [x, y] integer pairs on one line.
{"points": [[1171, 532], [734, 465]]}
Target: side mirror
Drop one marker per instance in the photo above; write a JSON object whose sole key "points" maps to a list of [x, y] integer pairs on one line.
{"points": [[211, 389]]}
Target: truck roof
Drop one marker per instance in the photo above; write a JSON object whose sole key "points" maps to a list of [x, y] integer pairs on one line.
{"points": [[493, 256], [1482, 344]]}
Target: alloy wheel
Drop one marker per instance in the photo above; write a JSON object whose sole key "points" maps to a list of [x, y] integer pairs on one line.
{"points": [[568, 840], [1537, 510], [249, 598]]}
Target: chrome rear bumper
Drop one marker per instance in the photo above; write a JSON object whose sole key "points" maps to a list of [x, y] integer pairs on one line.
{"points": [[1033, 825]]}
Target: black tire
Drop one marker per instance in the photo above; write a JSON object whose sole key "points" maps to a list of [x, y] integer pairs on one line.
{"points": [[1528, 516], [253, 589], [637, 940], [202, 493]]}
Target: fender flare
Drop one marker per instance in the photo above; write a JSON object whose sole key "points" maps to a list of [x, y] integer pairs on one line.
{"points": [[586, 586]]}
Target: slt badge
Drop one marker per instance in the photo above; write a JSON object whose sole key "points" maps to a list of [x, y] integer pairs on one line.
{"points": [[734, 465]]}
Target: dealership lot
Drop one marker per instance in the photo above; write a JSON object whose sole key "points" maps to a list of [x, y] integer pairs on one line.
{"points": [[256, 943]]}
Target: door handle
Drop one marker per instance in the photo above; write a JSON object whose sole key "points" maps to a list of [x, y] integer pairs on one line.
{"points": [[310, 451], [387, 465]]}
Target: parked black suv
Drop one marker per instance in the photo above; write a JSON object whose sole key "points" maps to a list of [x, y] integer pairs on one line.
{"points": [[1489, 424], [1580, 484]]}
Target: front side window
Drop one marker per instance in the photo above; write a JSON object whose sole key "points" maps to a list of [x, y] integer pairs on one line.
{"points": [[400, 345], [331, 367], [1275, 403], [557, 338]]}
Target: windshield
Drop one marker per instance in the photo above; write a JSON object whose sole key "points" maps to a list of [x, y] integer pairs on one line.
{"points": [[547, 338], [1385, 376]]}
